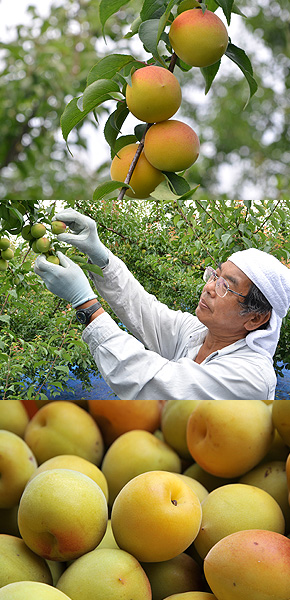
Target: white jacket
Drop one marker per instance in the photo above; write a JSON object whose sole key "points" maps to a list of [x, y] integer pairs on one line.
{"points": [[157, 360]]}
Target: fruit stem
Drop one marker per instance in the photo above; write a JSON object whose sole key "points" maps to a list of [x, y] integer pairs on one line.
{"points": [[134, 163]]}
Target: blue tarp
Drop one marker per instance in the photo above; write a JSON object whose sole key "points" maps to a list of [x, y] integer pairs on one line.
{"points": [[101, 390]]}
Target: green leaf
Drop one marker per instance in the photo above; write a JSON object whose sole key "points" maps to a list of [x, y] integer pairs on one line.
{"points": [[92, 268], [108, 8], [107, 188], [5, 318], [225, 238], [150, 8], [239, 57], [227, 6], [209, 74], [139, 131], [71, 116], [212, 5], [134, 28], [164, 19], [163, 192], [124, 140], [149, 36], [114, 123], [108, 66], [237, 11], [178, 184], [98, 92]]}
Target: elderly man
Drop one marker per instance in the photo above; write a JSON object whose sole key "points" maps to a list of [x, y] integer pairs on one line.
{"points": [[223, 353]]}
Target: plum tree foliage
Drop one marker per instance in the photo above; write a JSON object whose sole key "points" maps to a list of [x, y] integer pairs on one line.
{"points": [[165, 238]]}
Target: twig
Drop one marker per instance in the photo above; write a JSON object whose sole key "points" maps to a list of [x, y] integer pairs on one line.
{"points": [[268, 217], [189, 224]]}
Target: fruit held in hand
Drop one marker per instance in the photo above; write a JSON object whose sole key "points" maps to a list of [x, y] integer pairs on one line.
{"points": [[58, 227], [38, 230], [7, 254], [42, 244], [4, 243], [3, 264], [145, 177], [156, 516], [171, 146], [53, 259], [154, 94], [199, 39], [62, 514]]}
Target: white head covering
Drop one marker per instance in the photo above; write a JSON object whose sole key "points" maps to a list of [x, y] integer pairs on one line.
{"points": [[273, 280]]}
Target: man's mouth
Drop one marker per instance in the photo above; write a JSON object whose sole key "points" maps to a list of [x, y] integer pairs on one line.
{"points": [[203, 304]]}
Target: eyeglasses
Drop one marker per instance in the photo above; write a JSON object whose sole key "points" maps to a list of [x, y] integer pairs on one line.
{"points": [[221, 285]]}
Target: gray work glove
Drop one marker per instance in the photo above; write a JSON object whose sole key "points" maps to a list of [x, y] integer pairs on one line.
{"points": [[66, 280], [84, 237]]}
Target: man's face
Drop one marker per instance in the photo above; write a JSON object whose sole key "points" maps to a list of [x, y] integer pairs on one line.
{"points": [[222, 315]]}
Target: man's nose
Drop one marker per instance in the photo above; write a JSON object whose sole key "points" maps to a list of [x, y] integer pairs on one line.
{"points": [[210, 287]]}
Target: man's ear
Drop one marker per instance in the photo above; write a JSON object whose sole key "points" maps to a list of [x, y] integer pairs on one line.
{"points": [[257, 320]]}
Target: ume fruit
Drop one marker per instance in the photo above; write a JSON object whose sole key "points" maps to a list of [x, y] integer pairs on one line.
{"points": [[171, 146], [154, 94], [145, 177], [199, 39]]}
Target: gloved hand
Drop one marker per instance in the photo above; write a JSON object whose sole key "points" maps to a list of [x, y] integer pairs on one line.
{"points": [[84, 237], [66, 280]]}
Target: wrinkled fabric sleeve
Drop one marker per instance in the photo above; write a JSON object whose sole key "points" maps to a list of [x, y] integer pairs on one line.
{"points": [[134, 372], [159, 328]]}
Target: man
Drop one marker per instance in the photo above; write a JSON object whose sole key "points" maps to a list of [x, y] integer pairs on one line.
{"points": [[224, 352]]}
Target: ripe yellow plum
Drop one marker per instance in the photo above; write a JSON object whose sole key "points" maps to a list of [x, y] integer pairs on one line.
{"points": [[199, 39], [133, 453], [155, 516], [229, 437], [154, 94], [64, 428], [281, 419], [103, 574], [19, 563], [13, 417], [62, 514], [236, 507], [249, 564], [17, 463], [145, 177], [31, 590], [75, 463], [171, 146], [174, 417]]}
